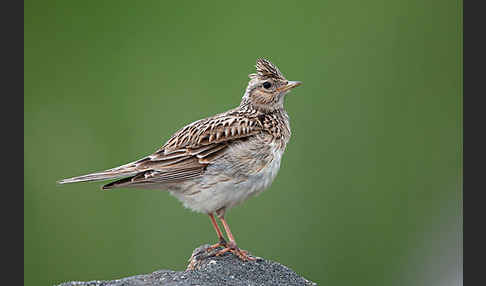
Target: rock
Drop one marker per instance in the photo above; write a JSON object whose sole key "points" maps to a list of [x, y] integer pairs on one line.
{"points": [[205, 269]]}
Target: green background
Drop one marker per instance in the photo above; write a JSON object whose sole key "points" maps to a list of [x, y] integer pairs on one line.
{"points": [[370, 187]]}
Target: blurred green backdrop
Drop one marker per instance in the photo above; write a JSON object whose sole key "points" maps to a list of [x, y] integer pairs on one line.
{"points": [[370, 187]]}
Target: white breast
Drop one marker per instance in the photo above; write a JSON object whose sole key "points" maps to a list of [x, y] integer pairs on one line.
{"points": [[263, 179], [232, 192]]}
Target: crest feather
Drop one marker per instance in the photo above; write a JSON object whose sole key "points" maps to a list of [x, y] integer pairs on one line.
{"points": [[266, 69]]}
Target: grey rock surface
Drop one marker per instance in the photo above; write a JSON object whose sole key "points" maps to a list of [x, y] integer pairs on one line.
{"points": [[205, 269]]}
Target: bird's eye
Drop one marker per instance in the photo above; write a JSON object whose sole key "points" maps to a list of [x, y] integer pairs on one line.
{"points": [[267, 85]]}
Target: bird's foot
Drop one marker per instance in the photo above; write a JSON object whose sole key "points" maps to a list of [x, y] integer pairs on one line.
{"points": [[222, 243], [242, 254]]}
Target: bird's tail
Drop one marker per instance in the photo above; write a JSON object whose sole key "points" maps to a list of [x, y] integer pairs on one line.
{"points": [[119, 172]]}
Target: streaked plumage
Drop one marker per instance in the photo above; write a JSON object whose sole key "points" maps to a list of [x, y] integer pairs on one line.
{"points": [[216, 163]]}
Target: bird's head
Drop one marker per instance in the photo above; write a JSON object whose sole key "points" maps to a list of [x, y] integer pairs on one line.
{"points": [[267, 88]]}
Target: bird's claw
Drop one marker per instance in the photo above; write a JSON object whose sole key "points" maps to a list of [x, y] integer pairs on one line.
{"points": [[242, 254], [222, 243]]}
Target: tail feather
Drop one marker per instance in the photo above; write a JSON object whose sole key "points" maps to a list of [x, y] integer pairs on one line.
{"points": [[118, 183], [99, 176]]}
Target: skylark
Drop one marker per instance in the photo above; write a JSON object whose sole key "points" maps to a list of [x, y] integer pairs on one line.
{"points": [[216, 163]]}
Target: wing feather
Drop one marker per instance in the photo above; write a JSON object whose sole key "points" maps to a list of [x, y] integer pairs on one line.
{"points": [[189, 151], [221, 128]]}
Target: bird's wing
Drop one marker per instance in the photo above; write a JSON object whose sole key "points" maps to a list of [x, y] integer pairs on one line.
{"points": [[185, 155], [217, 129]]}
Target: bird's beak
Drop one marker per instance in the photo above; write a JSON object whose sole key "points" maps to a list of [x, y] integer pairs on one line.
{"points": [[290, 85]]}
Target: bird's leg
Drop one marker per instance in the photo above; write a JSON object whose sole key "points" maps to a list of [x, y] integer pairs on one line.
{"points": [[231, 246], [222, 241]]}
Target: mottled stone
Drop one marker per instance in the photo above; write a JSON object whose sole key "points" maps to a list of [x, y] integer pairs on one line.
{"points": [[205, 269]]}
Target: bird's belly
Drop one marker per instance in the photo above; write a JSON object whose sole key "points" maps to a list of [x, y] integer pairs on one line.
{"points": [[222, 191]]}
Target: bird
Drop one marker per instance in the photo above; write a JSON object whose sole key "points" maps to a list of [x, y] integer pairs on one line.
{"points": [[216, 163]]}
